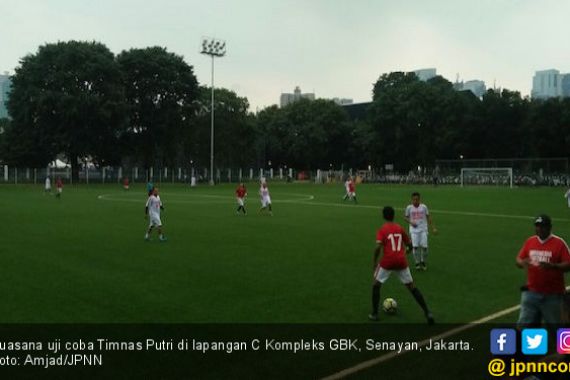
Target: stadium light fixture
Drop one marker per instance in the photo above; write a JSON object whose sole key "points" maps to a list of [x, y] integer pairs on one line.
{"points": [[214, 48]]}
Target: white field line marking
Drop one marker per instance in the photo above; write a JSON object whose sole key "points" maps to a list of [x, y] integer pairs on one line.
{"points": [[383, 358], [219, 198], [307, 201], [466, 213]]}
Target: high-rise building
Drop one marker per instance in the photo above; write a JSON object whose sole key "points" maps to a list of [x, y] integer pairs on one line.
{"points": [[477, 87], [425, 74], [295, 96], [565, 85], [5, 85], [546, 84]]}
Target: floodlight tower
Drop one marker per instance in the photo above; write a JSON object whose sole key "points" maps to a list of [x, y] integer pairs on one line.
{"points": [[214, 48]]}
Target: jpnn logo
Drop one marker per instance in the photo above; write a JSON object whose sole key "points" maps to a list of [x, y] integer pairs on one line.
{"points": [[534, 341], [503, 341]]}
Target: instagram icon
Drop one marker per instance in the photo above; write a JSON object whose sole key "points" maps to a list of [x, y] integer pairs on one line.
{"points": [[563, 341]]}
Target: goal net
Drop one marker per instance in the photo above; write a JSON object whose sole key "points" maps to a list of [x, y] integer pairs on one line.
{"points": [[487, 176]]}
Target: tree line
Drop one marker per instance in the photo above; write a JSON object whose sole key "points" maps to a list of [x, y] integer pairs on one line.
{"points": [[145, 107]]}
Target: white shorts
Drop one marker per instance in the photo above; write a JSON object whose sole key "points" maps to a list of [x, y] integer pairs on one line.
{"points": [[240, 201], [382, 275], [155, 221], [352, 194], [265, 201], [419, 239], [59, 189]]}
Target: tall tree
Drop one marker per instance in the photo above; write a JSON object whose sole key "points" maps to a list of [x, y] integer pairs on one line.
{"points": [[396, 117], [234, 128], [501, 134], [412, 123], [160, 90], [305, 134], [4, 124], [67, 98], [337, 130], [548, 123], [305, 142], [273, 130], [461, 132]]}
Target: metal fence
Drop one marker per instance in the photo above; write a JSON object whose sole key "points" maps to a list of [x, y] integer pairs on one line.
{"points": [[103, 175], [94, 175]]}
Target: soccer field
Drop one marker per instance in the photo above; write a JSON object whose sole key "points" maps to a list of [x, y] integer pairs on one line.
{"points": [[82, 258]]}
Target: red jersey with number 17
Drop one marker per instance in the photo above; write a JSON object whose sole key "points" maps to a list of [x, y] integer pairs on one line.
{"points": [[394, 240]]}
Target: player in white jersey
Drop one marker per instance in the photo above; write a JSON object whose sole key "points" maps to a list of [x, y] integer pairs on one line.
{"points": [[152, 210], [567, 196], [419, 219], [346, 188], [265, 199], [48, 185]]}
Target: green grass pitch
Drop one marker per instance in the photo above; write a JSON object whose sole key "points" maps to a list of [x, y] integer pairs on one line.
{"points": [[83, 258]]}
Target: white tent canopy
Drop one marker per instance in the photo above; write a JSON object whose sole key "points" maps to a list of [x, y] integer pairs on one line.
{"points": [[59, 164]]}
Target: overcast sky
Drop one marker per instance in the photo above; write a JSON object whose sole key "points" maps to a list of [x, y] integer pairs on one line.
{"points": [[331, 47]]}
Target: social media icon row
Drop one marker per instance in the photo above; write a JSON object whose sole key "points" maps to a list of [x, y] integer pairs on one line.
{"points": [[533, 341]]}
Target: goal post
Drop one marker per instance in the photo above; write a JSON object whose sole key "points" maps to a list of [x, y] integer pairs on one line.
{"points": [[487, 176]]}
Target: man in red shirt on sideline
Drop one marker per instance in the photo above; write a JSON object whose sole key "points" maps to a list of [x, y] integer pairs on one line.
{"points": [[241, 193], [546, 257], [393, 240]]}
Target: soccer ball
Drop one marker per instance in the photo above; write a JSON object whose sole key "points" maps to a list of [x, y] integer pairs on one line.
{"points": [[390, 306]]}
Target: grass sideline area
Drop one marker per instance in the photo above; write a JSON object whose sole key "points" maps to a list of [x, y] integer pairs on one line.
{"points": [[82, 258]]}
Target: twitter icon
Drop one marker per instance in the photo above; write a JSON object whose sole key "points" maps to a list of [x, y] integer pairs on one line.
{"points": [[534, 341]]}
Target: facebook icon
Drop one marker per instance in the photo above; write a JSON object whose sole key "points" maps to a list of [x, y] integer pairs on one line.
{"points": [[503, 341]]}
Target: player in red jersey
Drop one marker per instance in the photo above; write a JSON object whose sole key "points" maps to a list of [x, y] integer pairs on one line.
{"points": [[393, 240], [546, 257], [126, 183], [350, 190], [241, 193], [59, 185]]}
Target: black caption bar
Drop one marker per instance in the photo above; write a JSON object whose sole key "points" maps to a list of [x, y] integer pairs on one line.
{"points": [[243, 350]]}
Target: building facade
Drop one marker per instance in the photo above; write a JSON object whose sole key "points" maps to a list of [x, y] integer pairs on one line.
{"points": [[5, 85], [425, 74], [477, 87], [565, 85], [546, 84], [297, 95]]}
